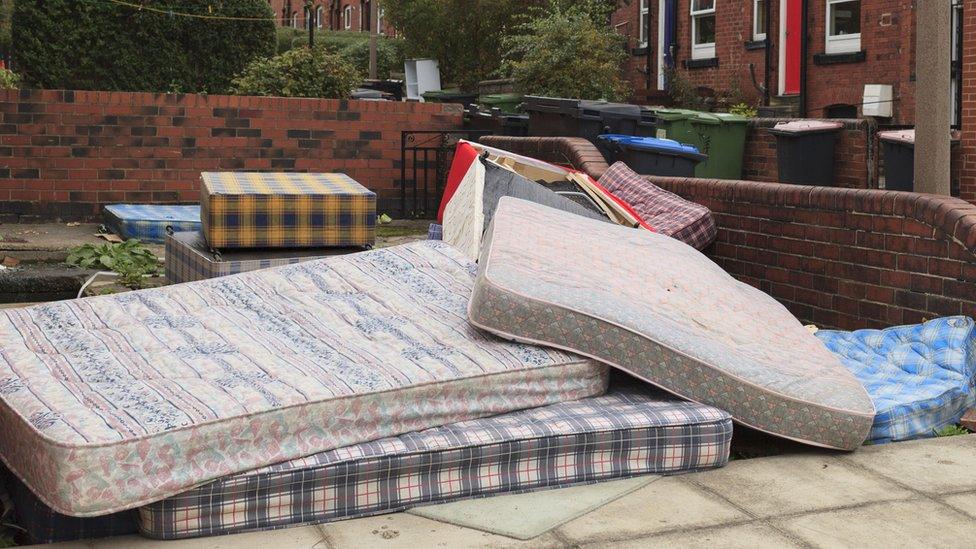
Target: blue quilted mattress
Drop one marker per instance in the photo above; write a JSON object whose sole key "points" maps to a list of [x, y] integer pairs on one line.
{"points": [[148, 222], [920, 377]]}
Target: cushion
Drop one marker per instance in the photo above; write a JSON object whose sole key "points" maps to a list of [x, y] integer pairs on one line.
{"points": [[112, 402], [666, 212], [660, 310], [920, 377]]}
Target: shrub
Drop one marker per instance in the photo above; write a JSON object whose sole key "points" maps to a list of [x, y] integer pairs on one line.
{"points": [[130, 259], [300, 72], [744, 109], [288, 38], [389, 56], [102, 45], [565, 54], [8, 79]]}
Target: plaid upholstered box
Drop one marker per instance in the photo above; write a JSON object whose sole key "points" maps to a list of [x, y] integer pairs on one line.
{"points": [[188, 258], [274, 210]]}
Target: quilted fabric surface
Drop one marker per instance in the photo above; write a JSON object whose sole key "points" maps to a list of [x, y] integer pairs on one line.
{"points": [[149, 222], [666, 212], [112, 402], [285, 210], [660, 310], [920, 377]]}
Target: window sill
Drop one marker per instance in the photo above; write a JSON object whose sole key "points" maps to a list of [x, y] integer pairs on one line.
{"points": [[711, 62], [837, 58], [639, 51], [756, 44]]}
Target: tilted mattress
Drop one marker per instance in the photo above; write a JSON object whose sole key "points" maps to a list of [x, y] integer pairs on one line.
{"points": [[112, 402], [657, 308], [920, 377], [151, 222]]}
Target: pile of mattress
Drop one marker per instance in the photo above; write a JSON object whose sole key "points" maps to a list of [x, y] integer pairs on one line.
{"points": [[259, 220], [149, 222]]}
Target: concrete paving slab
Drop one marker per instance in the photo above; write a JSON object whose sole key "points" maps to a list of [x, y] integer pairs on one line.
{"points": [[406, 530], [306, 537], [753, 535], [935, 466], [913, 523], [665, 505], [964, 503], [792, 484], [526, 516]]}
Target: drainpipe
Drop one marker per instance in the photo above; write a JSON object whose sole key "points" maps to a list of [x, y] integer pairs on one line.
{"points": [[803, 58], [769, 52]]}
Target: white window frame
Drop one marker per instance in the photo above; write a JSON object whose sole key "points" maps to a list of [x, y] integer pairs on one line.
{"points": [[842, 43], [294, 19], [644, 30], [380, 12], [706, 50], [319, 16], [759, 27], [347, 17]]}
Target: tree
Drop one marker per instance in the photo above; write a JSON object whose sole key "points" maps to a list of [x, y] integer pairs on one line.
{"points": [[465, 36], [301, 72], [85, 44], [565, 54]]}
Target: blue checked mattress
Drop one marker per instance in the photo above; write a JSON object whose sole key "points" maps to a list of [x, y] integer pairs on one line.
{"points": [[189, 258], [657, 308], [150, 223], [286, 210], [629, 431], [113, 402], [920, 377]]}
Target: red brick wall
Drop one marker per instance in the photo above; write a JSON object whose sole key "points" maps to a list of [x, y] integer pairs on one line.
{"points": [[967, 148], [65, 153], [887, 37], [284, 8], [855, 156], [839, 258]]}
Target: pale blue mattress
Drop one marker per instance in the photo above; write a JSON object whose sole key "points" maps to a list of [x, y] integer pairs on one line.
{"points": [[920, 377]]}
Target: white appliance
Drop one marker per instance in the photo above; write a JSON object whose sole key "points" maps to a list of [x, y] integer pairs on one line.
{"points": [[877, 100], [422, 76]]}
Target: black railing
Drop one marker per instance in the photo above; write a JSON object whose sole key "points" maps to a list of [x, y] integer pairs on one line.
{"points": [[425, 158]]}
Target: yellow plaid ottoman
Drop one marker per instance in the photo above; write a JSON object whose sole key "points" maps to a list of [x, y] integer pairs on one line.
{"points": [[270, 210]]}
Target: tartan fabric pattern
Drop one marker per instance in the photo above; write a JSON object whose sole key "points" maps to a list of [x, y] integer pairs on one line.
{"points": [[920, 377], [272, 210], [150, 223], [666, 212], [626, 432], [435, 232], [188, 258]]}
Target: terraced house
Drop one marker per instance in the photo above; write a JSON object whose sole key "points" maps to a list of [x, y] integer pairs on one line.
{"points": [[337, 15]]}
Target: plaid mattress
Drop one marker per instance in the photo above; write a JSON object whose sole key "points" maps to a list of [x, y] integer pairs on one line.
{"points": [[150, 223], [188, 258], [42, 525], [666, 212], [271, 210], [920, 377], [435, 232], [627, 432]]}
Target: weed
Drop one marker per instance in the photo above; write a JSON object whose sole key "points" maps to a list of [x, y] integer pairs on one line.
{"points": [[744, 109], [130, 259], [951, 431]]}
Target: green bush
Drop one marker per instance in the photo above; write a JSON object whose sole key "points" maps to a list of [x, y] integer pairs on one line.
{"points": [[300, 72], [100, 45], [389, 56], [565, 54], [8, 79], [289, 38]]}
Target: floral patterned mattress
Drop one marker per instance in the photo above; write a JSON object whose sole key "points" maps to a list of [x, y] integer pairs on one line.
{"points": [[660, 310], [113, 402]]}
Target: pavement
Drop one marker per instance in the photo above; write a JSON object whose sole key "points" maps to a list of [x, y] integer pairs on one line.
{"points": [[910, 494]]}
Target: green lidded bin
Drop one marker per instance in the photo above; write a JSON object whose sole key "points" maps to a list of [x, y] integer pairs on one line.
{"points": [[507, 103], [721, 136]]}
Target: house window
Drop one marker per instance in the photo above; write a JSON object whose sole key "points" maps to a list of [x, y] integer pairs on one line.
{"points": [[380, 12], [702, 29], [645, 22], [759, 15], [307, 14], [843, 26], [294, 19], [319, 16], [347, 18]]}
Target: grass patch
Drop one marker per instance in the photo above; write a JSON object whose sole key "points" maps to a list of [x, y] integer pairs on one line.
{"points": [[393, 232], [951, 431]]}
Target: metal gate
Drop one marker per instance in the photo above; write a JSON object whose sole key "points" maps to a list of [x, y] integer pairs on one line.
{"points": [[425, 158]]}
